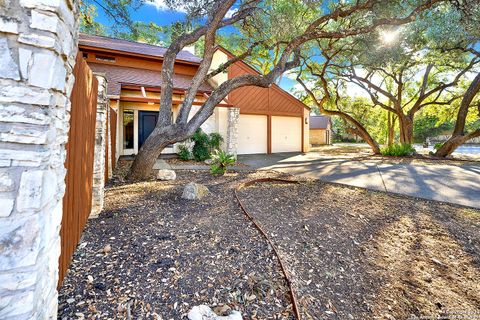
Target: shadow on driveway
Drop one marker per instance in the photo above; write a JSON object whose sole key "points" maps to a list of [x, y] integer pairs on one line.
{"points": [[441, 182]]}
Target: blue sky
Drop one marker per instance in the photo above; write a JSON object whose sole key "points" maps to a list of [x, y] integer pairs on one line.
{"points": [[158, 13]]}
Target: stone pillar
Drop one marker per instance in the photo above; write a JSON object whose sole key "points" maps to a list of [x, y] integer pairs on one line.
{"points": [[232, 130], [38, 46], [109, 140], [100, 145]]}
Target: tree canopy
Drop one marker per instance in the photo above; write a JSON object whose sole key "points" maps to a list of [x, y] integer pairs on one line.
{"points": [[408, 57], [415, 71]]}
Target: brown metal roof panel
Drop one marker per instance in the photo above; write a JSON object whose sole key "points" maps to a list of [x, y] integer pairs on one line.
{"points": [[319, 122], [132, 47], [116, 76]]}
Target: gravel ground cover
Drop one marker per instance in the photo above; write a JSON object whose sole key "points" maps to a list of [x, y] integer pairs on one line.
{"points": [[352, 253]]}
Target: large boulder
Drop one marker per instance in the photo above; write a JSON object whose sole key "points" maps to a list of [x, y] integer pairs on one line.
{"points": [[204, 312], [194, 191], [166, 174]]}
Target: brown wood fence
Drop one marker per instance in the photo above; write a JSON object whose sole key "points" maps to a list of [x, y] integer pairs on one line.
{"points": [[77, 202]]}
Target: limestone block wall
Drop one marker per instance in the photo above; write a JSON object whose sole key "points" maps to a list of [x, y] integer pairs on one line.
{"points": [[232, 131], [109, 138], [100, 147], [38, 45]]}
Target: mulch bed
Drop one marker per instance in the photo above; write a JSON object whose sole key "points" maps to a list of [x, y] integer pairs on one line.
{"points": [[169, 254], [357, 254], [352, 254]]}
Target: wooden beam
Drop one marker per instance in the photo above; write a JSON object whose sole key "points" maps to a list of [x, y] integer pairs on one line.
{"points": [[157, 101], [200, 93]]}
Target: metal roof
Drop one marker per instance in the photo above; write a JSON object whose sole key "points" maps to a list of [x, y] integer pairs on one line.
{"points": [[132, 47], [118, 75], [319, 122]]}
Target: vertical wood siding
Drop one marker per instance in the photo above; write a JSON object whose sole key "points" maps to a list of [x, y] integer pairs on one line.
{"points": [[256, 100], [77, 202]]}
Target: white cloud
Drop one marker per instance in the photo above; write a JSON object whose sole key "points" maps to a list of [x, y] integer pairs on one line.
{"points": [[160, 5], [291, 74], [231, 12], [298, 87]]}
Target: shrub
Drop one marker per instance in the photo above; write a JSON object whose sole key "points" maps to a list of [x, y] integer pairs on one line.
{"points": [[221, 161], [215, 139], [205, 144], [398, 150], [184, 153], [438, 145], [201, 149]]}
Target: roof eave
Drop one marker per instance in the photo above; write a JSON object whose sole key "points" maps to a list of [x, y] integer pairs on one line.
{"points": [[93, 48]]}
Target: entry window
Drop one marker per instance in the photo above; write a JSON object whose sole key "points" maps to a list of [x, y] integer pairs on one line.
{"points": [[127, 129]]}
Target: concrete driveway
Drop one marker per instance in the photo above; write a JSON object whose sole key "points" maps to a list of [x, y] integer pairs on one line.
{"points": [[459, 184]]}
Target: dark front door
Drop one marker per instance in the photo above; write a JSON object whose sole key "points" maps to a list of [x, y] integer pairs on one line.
{"points": [[146, 123]]}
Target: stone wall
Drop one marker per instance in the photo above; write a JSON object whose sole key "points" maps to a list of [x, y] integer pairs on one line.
{"points": [[100, 145], [109, 138], [232, 131], [38, 45]]}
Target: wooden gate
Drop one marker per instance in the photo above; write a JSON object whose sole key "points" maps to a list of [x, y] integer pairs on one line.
{"points": [[77, 202]]}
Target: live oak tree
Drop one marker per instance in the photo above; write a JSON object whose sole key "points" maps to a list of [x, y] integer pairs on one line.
{"points": [[403, 70], [465, 37], [402, 76], [211, 16], [368, 14], [468, 103], [327, 85]]}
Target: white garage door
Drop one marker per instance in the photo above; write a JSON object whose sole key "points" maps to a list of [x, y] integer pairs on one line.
{"points": [[286, 134], [252, 134]]}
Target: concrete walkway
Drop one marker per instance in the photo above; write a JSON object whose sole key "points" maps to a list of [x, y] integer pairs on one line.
{"points": [[459, 184]]}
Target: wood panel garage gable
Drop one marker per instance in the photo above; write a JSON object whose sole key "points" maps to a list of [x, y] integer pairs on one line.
{"points": [[286, 116]]}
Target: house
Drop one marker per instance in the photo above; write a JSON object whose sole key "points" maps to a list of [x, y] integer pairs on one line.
{"points": [[250, 119], [320, 130]]}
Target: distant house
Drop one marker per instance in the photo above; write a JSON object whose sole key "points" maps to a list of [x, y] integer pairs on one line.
{"points": [[265, 120], [320, 130]]}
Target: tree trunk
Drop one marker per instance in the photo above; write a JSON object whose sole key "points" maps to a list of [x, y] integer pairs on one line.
{"points": [[449, 146], [368, 139], [391, 129], [406, 129], [358, 129], [454, 142], [150, 151], [458, 136]]}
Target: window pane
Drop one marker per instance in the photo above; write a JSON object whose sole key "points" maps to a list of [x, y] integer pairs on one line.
{"points": [[128, 129]]}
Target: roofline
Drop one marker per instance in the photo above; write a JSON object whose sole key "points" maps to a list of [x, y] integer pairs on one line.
{"points": [[130, 53], [322, 115], [231, 55], [139, 55]]}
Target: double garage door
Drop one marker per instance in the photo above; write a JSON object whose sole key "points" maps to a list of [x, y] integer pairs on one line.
{"points": [[286, 134]]}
